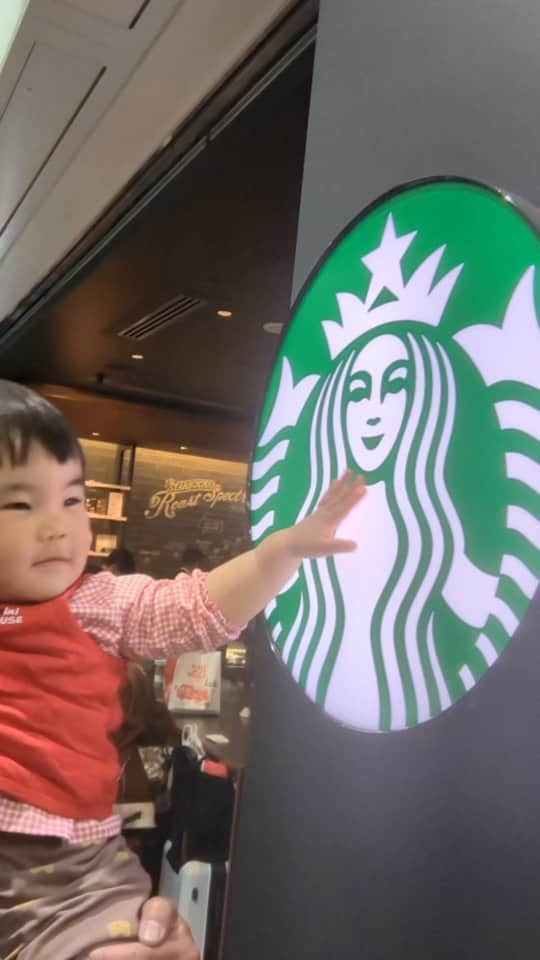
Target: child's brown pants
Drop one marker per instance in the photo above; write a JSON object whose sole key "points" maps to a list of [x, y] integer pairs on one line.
{"points": [[59, 901]]}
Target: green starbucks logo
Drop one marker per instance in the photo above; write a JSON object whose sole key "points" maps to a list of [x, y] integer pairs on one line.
{"points": [[412, 356]]}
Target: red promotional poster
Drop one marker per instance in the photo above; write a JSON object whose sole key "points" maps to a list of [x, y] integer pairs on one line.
{"points": [[193, 683]]}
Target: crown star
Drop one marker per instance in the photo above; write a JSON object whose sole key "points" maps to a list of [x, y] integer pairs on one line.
{"points": [[419, 300], [384, 263]]}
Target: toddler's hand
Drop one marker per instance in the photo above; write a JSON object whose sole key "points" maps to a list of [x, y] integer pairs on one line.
{"points": [[243, 586], [314, 536]]}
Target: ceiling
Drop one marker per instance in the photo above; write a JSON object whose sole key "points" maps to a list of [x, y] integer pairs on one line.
{"points": [[89, 91], [223, 232]]}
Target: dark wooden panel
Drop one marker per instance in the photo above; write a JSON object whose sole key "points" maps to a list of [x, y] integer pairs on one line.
{"points": [[122, 421], [179, 501]]}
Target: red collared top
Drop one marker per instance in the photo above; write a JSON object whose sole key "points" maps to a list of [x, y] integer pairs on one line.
{"points": [[58, 704]]}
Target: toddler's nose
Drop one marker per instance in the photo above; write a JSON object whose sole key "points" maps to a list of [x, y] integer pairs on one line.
{"points": [[52, 528]]}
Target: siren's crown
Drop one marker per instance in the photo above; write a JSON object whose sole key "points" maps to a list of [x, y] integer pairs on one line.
{"points": [[420, 299]]}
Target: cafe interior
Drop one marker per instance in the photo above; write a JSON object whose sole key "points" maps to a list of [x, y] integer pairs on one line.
{"points": [[154, 330]]}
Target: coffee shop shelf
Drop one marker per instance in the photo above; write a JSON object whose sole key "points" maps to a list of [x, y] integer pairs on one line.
{"points": [[106, 516], [99, 485]]}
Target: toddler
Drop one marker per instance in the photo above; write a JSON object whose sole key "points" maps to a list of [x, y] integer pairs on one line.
{"points": [[68, 883]]}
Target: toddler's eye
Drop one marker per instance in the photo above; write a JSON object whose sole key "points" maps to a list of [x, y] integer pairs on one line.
{"points": [[72, 501], [16, 505]]}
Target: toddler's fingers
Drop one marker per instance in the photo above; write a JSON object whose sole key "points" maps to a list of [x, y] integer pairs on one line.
{"points": [[343, 546], [339, 501], [329, 547]]}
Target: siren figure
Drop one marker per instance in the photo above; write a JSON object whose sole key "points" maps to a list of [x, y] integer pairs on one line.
{"points": [[364, 637]]}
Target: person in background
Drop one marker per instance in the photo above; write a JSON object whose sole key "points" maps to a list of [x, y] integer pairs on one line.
{"points": [[146, 723], [69, 887], [120, 562], [193, 559]]}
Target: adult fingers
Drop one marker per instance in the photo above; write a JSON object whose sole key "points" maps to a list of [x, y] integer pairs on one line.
{"points": [[158, 917], [178, 945]]}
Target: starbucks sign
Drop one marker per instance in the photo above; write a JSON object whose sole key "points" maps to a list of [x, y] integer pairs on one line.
{"points": [[413, 356]]}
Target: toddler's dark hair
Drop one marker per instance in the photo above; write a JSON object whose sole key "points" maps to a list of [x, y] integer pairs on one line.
{"points": [[25, 417]]}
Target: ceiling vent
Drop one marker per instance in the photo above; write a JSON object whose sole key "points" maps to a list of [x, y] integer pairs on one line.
{"points": [[176, 309]]}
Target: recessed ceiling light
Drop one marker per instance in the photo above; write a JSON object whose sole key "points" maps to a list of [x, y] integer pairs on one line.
{"points": [[137, 356], [274, 328], [184, 448], [224, 313], [94, 434]]}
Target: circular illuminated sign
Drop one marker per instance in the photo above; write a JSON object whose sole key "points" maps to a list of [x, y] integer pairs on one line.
{"points": [[413, 356]]}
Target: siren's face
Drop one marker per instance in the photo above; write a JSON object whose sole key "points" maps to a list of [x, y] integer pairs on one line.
{"points": [[376, 401]]}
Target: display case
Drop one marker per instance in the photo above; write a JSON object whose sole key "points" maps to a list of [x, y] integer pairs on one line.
{"points": [[109, 469]]}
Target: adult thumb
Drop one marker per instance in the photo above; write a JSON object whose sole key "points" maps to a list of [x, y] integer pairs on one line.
{"points": [[158, 918]]}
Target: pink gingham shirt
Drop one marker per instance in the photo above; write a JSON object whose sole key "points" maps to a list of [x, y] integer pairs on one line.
{"points": [[129, 616]]}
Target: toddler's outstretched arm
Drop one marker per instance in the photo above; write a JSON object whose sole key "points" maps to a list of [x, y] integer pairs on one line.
{"points": [[242, 587]]}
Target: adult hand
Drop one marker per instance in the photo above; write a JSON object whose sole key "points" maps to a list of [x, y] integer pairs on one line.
{"points": [[163, 935]]}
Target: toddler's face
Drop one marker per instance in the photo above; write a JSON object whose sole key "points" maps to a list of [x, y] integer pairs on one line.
{"points": [[44, 527]]}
